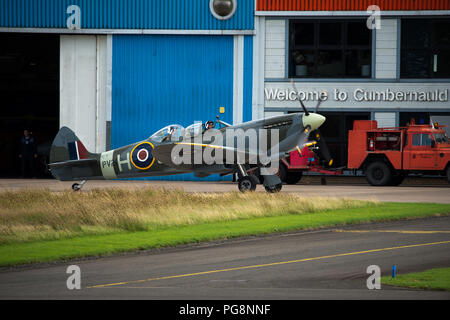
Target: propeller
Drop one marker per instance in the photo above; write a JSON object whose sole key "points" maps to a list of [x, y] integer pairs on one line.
{"points": [[302, 142], [325, 152]]}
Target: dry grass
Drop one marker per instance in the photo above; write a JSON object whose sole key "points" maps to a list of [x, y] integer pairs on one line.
{"points": [[44, 215]]}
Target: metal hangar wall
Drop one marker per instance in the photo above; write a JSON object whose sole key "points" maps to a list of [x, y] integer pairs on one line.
{"points": [[130, 67]]}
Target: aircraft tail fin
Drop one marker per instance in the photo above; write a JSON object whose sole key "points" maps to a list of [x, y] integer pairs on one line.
{"points": [[66, 146]]}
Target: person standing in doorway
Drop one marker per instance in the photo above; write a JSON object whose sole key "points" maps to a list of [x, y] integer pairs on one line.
{"points": [[28, 152]]}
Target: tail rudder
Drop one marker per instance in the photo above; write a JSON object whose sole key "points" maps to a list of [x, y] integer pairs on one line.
{"points": [[67, 146]]}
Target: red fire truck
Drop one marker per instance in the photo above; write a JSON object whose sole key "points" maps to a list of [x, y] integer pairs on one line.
{"points": [[385, 155]]}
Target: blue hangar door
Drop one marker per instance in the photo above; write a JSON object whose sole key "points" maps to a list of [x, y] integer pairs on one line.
{"points": [[159, 80]]}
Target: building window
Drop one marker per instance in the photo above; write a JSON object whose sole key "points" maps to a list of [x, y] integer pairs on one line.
{"points": [[330, 49], [425, 48]]}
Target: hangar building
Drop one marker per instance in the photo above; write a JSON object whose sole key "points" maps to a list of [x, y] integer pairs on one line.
{"points": [[116, 71]]}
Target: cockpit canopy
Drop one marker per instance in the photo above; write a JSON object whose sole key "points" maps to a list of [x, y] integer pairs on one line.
{"points": [[193, 130], [171, 133], [176, 132]]}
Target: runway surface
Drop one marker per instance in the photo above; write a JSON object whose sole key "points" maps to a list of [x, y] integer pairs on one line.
{"points": [[325, 264], [436, 190]]}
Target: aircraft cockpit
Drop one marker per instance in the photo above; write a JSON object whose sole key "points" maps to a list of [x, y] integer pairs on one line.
{"points": [[194, 130], [198, 128], [171, 133]]}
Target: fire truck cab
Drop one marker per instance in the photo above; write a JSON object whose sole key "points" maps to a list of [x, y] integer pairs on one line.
{"points": [[387, 155]]}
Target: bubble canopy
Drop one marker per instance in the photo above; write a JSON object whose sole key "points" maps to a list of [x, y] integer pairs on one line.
{"points": [[170, 133]]}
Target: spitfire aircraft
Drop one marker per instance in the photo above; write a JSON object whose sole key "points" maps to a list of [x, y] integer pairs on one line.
{"points": [[158, 155]]}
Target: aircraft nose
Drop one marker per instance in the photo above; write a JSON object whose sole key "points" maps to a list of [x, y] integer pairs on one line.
{"points": [[313, 120]]}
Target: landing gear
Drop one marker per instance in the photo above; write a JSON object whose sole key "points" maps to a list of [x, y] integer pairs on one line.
{"points": [[78, 186], [274, 189], [247, 183]]}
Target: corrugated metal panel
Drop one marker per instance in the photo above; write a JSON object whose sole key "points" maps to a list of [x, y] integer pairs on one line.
{"points": [[248, 78], [350, 5], [123, 14], [160, 80]]}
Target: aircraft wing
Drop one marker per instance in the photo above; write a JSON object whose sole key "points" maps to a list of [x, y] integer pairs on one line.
{"points": [[191, 150]]}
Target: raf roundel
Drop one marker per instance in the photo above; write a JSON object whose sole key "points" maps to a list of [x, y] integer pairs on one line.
{"points": [[141, 156]]}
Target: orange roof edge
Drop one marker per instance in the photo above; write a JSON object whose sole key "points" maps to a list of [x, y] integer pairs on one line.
{"points": [[351, 5]]}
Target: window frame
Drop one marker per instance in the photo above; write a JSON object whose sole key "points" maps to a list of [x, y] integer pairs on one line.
{"points": [[430, 50], [421, 139], [343, 47]]}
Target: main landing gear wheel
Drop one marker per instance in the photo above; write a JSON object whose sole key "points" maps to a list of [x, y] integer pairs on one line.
{"points": [[274, 189], [247, 183]]}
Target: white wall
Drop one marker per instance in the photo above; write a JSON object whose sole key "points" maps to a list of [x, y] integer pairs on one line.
{"points": [[84, 87], [238, 79], [275, 48], [386, 50], [385, 119], [258, 69]]}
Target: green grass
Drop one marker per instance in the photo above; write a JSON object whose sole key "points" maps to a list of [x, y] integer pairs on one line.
{"points": [[36, 215], [434, 279], [170, 235]]}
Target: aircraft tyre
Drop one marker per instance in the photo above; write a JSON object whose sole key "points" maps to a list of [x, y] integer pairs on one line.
{"points": [[378, 174], [282, 172], [76, 187], [247, 183], [274, 189]]}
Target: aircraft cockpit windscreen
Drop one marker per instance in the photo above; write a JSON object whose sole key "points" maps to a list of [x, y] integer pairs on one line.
{"points": [[171, 133], [193, 130]]}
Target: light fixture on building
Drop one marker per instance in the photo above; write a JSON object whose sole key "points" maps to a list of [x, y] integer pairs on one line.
{"points": [[222, 9]]}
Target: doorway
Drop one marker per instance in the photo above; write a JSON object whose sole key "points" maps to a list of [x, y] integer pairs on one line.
{"points": [[29, 97]]}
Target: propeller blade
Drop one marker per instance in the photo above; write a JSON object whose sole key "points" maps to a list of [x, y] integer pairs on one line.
{"points": [[298, 98], [320, 101], [302, 141], [303, 106], [324, 152]]}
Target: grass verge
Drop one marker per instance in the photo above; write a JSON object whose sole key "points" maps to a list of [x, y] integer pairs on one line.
{"points": [[37, 215], [433, 279], [169, 235]]}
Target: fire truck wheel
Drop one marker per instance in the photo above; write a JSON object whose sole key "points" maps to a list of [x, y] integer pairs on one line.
{"points": [[397, 180], [378, 174], [293, 177], [448, 174]]}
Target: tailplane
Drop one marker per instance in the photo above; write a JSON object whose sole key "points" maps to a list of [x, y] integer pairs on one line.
{"points": [[70, 160]]}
